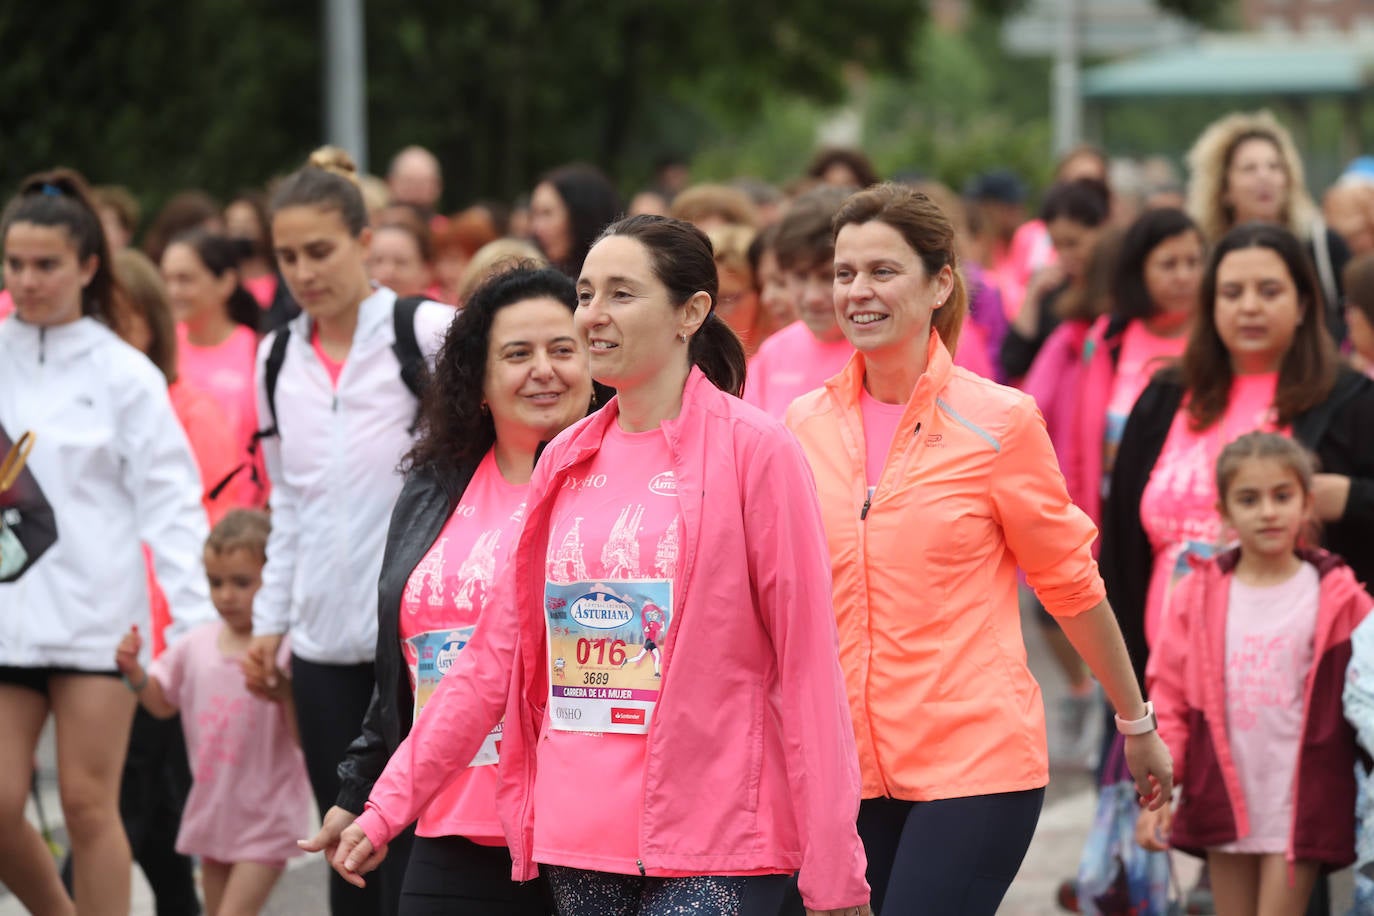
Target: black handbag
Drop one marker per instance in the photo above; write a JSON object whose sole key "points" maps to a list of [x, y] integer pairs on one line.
{"points": [[27, 524]]}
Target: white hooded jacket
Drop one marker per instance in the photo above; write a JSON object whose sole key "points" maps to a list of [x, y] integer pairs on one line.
{"points": [[334, 472], [114, 463]]}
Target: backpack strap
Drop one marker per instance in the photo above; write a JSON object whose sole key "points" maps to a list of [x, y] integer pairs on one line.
{"points": [[406, 347], [414, 371], [271, 373]]}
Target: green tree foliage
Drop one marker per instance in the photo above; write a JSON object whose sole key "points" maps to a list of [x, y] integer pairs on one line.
{"points": [[158, 95], [220, 94], [960, 105]]}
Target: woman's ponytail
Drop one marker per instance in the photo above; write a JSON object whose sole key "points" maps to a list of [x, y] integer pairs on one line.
{"points": [[716, 350]]}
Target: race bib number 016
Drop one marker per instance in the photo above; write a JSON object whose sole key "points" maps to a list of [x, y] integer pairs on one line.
{"points": [[435, 653], [606, 653]]}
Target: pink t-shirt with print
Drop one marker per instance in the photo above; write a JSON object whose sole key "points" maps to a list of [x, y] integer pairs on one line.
{"points": [[1179, 506], [789, 364], [613, 551], [250, 799], [1142, 355], [1270, 632], [440, 609]]}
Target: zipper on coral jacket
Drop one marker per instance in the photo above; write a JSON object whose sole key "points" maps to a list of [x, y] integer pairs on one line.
{"points": [[868, 501], [640, 863]]}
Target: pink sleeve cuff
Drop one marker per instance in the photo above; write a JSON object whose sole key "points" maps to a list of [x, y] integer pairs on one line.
{"points": [[371, 823]]}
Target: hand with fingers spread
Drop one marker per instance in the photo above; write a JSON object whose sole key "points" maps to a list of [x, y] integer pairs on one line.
{"points": [[355, 857]]}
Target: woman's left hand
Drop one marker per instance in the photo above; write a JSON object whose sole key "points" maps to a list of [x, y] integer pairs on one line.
{"points": [[1148, 759], [1330, 493]]}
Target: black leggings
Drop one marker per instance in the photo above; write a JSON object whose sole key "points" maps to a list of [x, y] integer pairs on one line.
{"points": [[595, 893], [951, 857], [331, 701], [453, 875]]}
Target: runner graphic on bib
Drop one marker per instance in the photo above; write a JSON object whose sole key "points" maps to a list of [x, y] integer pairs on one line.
{"points": [[446, 592], [608, 596]]}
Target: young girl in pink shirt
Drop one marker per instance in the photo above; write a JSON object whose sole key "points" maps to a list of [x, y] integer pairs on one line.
{"points": [[250, 797], [1246, 678]]}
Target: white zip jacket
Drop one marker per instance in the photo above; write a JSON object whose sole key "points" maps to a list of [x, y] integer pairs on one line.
{"points": [[334, 473], [114, 463]]}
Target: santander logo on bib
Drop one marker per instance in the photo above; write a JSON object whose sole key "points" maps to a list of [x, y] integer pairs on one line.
{"points": [[664, 484], [601, 611]]}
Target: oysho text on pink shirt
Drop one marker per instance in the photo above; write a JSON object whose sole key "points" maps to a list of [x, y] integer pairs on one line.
{"points": [[440, 610], [612, 558]]}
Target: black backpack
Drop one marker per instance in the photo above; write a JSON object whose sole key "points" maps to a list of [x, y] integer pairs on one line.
{"points": [[414, 374]]}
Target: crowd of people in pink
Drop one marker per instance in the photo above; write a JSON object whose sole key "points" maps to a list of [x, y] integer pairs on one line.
{"points": [[586, 557]]}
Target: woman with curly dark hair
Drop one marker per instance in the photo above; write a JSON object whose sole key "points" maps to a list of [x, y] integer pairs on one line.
{"points": [[512, 374]]}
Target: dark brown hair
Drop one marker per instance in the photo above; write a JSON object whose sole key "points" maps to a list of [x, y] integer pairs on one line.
{"points": [[1308, 371], [1358, 278], [186, 211], [329, 181], [928, 231], [1085, 201], [1094, 297], [454, 429], [681, 258], [120, 200], [852, 159], [806, 235], [1264, 445], [219, 255], [1130, 296], [61, 198], [592, 204], [143, 295]]}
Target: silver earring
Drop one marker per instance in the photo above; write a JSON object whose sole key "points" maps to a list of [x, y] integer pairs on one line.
{"points": [[683, 336]]}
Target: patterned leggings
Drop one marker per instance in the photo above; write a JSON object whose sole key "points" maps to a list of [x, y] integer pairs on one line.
{"points": [[593, 893]]}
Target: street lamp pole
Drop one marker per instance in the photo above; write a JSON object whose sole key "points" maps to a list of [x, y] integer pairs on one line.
{"points": [[345, 78], [1067, 102]]}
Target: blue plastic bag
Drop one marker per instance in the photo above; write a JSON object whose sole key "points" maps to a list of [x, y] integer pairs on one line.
{"points": [[1116, 876]]}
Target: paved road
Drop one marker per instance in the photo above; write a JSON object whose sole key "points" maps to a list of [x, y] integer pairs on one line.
{"points": [[1053, 854]]}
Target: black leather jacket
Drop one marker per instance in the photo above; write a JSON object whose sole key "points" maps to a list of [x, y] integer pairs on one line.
{"points": [[423, 506]]}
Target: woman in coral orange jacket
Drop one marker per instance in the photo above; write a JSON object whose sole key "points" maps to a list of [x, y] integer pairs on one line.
{"points": [[935, 484]]}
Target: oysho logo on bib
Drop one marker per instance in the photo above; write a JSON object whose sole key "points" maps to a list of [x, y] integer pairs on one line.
{"points": [[664, 484], [601, 611]]}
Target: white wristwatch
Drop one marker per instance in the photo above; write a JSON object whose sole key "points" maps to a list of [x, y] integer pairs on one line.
{"points": [[1142, 726]]}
